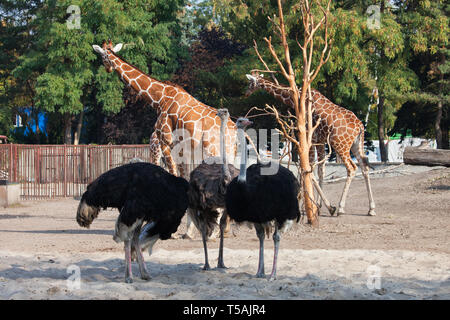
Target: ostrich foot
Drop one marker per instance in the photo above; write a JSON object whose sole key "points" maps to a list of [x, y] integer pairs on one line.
{"points": [[206, 267], [371, 212], [340, 211], [129, 280], [221, 265], [332, 210], [145, 277], [272, 278], [187, 236], [260, 275]]}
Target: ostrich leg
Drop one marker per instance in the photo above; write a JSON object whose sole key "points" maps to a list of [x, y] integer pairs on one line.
{"points": [[139, 256], [128, 272], [223, 225], [260, 233], [276, 242], [205, 247]]}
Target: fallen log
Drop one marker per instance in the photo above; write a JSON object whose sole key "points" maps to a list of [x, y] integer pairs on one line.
{"points": [[426, 156]]}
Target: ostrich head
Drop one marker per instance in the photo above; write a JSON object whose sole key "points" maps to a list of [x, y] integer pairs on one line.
{"points": [[254, 83], [242, 123], [86, 213], [223, 114], [107, 51]]}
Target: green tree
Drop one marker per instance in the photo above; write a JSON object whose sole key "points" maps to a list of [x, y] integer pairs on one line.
{"points": [[426, 28], [69, 78], [362, 58], [16, 36]]}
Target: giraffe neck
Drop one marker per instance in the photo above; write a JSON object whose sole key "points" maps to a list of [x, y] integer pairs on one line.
{"points": [[150, 89], [284, 94], [279, 92]]}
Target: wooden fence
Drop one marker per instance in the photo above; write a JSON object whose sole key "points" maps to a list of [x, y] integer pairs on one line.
{"points": [[50, 171]]}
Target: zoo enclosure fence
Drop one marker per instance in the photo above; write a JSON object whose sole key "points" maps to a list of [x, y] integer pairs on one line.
{"points": [[52, 171]]}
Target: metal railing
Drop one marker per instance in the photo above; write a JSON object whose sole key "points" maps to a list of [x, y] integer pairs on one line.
{"points": [[51, 171]]}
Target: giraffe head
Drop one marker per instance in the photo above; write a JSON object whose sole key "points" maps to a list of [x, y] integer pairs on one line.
{"points": [[254, 83], [107, 51]]}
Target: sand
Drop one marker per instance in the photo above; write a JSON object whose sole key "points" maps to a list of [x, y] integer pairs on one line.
{"points": [[402, 253]]}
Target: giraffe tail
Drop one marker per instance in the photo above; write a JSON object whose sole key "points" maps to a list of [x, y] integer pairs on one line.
{"points": [[364, 158]]}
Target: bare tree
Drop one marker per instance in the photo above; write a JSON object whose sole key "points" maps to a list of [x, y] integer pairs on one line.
{"points": [[298, 128]]}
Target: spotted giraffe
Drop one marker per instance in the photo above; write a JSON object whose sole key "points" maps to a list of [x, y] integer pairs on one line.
{"points": [[345, 131], [155, 149], [177, 110]]}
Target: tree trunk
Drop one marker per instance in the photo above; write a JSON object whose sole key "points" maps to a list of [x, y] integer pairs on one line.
{"points": [[67, 129], [427, 156], [444, 128], [383, 152], [308, 188], [437, 126], [38, 131], [304, 146], [76, 139]]}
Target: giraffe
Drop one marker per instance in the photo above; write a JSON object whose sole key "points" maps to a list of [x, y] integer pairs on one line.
{"points": [[341, 126], [155, 149], [177, 110]]}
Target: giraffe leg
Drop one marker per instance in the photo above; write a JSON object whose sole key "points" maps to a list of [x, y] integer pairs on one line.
{"points": [[227, 225], [321, 167], [155, 149], [321, 172], [351, 168], [190, 228], [169, 160], [312, 159], [362, 161], [327, 203], [190, 225]]}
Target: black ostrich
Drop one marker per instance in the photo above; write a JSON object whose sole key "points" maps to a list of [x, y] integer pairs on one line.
{"points": [[264, 198], [207, 187], [142, 192]]}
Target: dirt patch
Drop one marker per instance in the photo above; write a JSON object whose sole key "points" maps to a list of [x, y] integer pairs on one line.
{"points": [[413, 215]]}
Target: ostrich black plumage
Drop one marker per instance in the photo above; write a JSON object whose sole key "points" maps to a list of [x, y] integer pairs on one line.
{"points": [[263, 196], [207, 187], [142, 192]]}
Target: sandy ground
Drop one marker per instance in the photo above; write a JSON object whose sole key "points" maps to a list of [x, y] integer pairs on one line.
{"points": [[402, 253]]}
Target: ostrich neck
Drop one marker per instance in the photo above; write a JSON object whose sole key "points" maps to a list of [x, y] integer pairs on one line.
{"points": [[243, 167], [223, 151]]}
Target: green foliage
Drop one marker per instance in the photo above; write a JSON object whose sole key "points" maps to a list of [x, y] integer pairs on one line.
{"points": [[62, 70], [426, 29], [361, 58], [46, 65]]}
